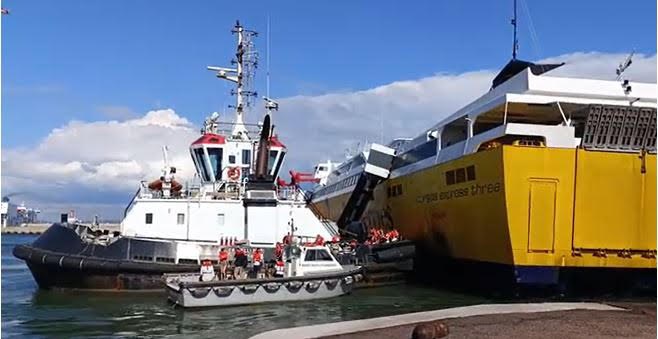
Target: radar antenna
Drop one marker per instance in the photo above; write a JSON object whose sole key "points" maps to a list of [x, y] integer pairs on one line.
{"points": [[246, 61]]}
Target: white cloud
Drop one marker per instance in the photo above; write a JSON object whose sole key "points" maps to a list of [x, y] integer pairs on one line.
{"points": [[98, 158], [96, 165], [602, 66], [117, 112]]}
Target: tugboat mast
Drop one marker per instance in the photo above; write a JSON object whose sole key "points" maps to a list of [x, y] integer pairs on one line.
{"points": [[246, 62]]}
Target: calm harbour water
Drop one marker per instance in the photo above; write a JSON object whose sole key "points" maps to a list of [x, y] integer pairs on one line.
{"points": [[30, 312]]}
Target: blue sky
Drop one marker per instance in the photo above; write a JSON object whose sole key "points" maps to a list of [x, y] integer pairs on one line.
{"points": [[78, 77], [66, 60]]}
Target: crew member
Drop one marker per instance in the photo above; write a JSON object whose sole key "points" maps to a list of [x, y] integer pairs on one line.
{"points": [[287, 239], [257, 262], [207, 271], [240, 263], [223, 263], [280, 268], [278, 251], [319, 241]]}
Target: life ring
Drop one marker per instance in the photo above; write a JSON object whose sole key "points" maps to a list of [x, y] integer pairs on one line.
{"points": [[233, 173]]}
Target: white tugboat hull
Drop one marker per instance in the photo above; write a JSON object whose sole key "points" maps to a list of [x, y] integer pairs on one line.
{"points": [[256, 291]]}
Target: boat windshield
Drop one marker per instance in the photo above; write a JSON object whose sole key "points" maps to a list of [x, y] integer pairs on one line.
{"points": [[203, 171], [215, 156]]}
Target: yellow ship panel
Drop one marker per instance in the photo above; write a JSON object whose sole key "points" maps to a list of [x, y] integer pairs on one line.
{"points": [[612, 191], [526, 206], [530, 206]]}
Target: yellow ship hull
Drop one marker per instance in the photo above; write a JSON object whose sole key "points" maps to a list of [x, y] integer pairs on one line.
{"points": [[526, 207]]}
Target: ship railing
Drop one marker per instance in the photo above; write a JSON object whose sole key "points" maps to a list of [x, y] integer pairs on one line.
{"points": [[291, 193], [326, 222], [132, 201], [226, 128], [226, 190]]}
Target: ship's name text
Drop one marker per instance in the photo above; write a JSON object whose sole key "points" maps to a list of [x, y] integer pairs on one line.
{"points": [[473, 190]]}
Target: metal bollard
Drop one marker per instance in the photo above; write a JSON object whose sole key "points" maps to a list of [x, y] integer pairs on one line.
{"points": [[430, 330]]}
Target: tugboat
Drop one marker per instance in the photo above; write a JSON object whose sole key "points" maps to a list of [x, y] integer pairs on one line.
{"points": [[169, 226], [310, 272]]}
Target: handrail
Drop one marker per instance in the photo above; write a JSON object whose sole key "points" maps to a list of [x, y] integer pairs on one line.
{"points": [[221, 283], [125, 211]]}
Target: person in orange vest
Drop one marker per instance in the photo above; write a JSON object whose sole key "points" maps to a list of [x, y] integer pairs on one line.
{"points": [[395, 235], [223, 263], [207, 272], [278, 251], [286, 239], [319, 241], [335, 239], [257, 262], [279, 269]]}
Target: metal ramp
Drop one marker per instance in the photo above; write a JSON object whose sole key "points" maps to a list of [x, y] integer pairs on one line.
{"points": [[377, 169], [620, 128]]}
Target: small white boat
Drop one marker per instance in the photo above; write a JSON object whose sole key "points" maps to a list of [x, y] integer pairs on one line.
{"points": [[310, 272]]}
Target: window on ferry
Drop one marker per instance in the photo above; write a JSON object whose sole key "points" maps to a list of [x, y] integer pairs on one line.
{"points": [[231, 159], [454, 132], [450, 177], [310, 255], [180, 219], [470, 173], [460, 175], [149, 218], [246, 156], [215, 156], [202, 164], [220, 219], [418, 153]]}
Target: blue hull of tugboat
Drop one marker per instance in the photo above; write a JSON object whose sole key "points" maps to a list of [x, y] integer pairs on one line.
{"points": [[59, 258]]}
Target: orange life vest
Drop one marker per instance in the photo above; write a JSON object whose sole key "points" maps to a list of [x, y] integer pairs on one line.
{"points": [[257, 258], [223, 256]]}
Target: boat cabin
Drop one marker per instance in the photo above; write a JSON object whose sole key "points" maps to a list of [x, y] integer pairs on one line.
{"points": [[220, 159]]}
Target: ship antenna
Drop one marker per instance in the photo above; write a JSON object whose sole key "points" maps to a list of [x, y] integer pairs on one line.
{"points": [[515, 44], [246, 62], [270, 105], [268, 57]]}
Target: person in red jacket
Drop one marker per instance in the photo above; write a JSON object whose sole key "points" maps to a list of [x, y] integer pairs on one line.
{"points": [[223, 263], [286, 239], [278, 251], [319, 241], [257, 262]]}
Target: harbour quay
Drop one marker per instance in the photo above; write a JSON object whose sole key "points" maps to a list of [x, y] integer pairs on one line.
{"points": [[523, 320]]}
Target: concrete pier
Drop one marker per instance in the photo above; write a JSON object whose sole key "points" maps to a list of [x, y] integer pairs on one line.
{"points": [[538, 320]]}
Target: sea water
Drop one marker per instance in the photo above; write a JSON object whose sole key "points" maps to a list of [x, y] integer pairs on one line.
{"points": [[30, 312]]}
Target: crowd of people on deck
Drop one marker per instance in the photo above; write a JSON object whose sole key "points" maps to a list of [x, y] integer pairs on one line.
{"points": [[241, 262], [379, 236]]}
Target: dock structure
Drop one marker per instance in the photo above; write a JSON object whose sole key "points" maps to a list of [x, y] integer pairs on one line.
{"points": [[42, 227], [371, 328]]}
